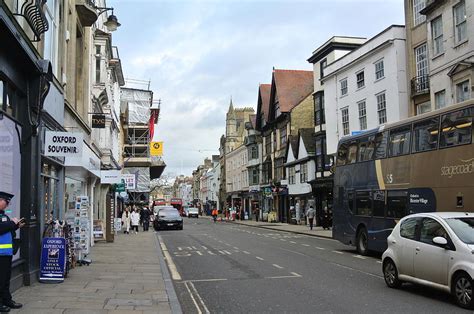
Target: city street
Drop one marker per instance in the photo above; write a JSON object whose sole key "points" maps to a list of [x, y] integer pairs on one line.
{"points": [[226, 267]]}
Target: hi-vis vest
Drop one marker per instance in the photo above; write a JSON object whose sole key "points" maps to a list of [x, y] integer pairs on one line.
{"points": [[6, 243]]}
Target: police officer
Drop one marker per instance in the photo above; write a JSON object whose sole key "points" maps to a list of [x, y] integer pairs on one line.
{"points": [[7, 233]]}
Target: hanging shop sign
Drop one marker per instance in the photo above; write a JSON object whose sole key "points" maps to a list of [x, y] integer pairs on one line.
{"points": [[53, 259], [110, 176], [98, 121], [130, 182], [156, 149], [63, 144]]}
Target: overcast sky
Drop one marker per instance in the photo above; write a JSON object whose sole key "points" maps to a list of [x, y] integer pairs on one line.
{"points": [[199, 54]]}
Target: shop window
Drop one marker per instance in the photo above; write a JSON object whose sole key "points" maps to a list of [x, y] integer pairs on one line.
{"points": [[397, 203], [363, 206], [50, 192]]}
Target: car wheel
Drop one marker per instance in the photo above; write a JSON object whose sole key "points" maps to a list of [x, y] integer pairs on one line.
{"points": [[390, 274], [462, 291], [362, 242]]}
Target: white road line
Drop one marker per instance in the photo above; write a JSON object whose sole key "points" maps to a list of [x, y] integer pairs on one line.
{"points": [[195, 248], [319, 248], [359, 256], [206, 280], [236, 248], [337, 252], [296, 274], [228, 244], [246, 252], [303, 244], [293, 252], [193, 288], [222, 253], [282, 240], [357, 270], [180, 248], [192, 298], [204, 247], [278, 266], [293, 242], [379, 262], [257, 257], [173, 270], [198, 252], [210, 253], [227, 252]]}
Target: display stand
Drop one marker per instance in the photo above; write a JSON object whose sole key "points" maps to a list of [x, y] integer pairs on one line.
{"points": [[79, 220]]}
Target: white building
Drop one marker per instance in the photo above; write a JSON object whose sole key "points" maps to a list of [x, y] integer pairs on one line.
{"points": [[185, 192], [367, 87]]}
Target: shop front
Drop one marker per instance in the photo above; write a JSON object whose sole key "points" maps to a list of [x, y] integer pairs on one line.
{"points": [[323, 196], [267, 202]]}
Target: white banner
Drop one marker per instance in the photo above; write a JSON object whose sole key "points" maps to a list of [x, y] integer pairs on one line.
{"points": [[110, 177], [63, 144], [130, 182]]}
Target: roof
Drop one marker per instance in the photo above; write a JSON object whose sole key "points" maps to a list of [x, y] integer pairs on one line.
{"points": [[336, 43], [309, 140], [253, 120], [294, 145], [292, 87], [264, 95]]}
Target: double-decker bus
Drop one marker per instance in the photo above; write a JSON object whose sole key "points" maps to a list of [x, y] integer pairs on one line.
{"points": [[421, 164], [159, 202], [178, 204]]}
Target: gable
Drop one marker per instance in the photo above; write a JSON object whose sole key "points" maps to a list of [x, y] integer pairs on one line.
{"points": [[302, 152], [290, 157]]}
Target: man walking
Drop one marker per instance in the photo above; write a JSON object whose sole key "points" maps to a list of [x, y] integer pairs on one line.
{"points": [[145, 216], [311, 213], [7, 230]]}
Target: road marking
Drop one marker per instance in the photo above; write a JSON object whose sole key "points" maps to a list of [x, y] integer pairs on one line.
{"points": [[303, 244], [319, 248], [236, 248], [193, 292], [282, 240], [227, 252], [379, 262], [180, 248], [210, 253], [257, 257], [198, 252], [228, 244], [296, 274], [357, 270], [359, 256], [206, 280], [293, 242], [277, 266], [337, 252], [293, 275], [195, 248], [246, 252], [173, 270], [204, 247], [222, 253], [293, 252]]}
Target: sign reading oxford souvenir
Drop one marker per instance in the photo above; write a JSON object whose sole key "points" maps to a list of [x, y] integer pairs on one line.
{"points": [[156, 148], [53, 259], [63, 144], [98, 121]]}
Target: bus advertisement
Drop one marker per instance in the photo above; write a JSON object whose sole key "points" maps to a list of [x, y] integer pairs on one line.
{"points": [[421, 164]]}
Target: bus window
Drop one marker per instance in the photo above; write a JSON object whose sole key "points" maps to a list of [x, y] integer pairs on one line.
{"points": [[397, 204], [425, 135], [352, 156], [381, 145], [378, 198], [342, 154], [350, 201], [399, 141], [366, 149], [363, 206], [456, 128]]}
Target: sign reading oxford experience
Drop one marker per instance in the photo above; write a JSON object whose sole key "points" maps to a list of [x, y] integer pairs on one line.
{"points": [[63, 144], [53, 260]]}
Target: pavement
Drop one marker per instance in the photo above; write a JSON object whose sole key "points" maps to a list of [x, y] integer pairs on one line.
{"points": [[299, 229], [126, 276]]}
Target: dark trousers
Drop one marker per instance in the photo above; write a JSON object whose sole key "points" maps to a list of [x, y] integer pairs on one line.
{"points": [[146, 225], [5, 275], [311, 223], [135, 228]]}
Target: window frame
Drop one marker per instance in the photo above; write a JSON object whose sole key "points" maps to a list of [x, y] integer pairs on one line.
{"points": [[360, 79], [442, 128], [458, 24], [441, 92], [344, 88], [468, 83], [362, 114], [380, 70], [345, 120], [418, 18], [366, 194], [416, 230], [414, 136], [390, 142], [303, 172], [437, 38], [382, 119]]}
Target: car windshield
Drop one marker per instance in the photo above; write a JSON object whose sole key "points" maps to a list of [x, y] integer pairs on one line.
{"points": [[463, 227], [169, 213]]}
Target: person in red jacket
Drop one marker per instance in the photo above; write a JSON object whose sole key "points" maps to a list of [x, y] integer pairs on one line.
{"points": [[7, 233], [214, 214]]}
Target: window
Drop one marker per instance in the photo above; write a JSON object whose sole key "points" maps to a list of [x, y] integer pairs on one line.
{"points": [[379, 73], [456, 128], [399, 141], [319, 108], [437, 35], [421, 57], [343, 87], [51, 48], [345, 120], [322, 162], [279, 174], [304, 172], [253, 152], [363, 207], [268, 144], [254, 177], [397, 203], [360, 79], [381, 140], [277, 108], [423, 107], [462, 91], [440, 99], [418, 18], [431, 229], [282, 137], [352, 157], [382, 108], [460, 24], [362, 115], [350, 201], [425, 135], [366, 149], [342, 154], [408, 228], [378, 205], [322, 65], [291, 175]]}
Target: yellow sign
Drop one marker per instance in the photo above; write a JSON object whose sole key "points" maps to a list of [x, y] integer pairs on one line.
{"points": [[156, 149]]}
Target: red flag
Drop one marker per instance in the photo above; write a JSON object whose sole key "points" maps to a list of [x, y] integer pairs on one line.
{"points": [[153, 119]]}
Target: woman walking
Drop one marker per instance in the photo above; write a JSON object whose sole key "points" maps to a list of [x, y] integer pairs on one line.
{"points": [[135, 220], [126, 221]]}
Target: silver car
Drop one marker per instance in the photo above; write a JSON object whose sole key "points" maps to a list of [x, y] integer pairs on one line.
{"points": [[433, 249]]}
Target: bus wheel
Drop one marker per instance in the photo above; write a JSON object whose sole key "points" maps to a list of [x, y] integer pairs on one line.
{"points": [[390, 274], [362, 241]]}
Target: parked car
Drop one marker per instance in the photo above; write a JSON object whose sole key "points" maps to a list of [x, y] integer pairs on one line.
{"points": [[168, 218], [433, 249], [193, 212]]}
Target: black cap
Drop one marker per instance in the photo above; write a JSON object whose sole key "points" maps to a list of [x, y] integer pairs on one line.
{"points": [[6, 196]]}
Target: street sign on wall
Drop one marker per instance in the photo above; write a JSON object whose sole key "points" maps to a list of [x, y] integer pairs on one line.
{"points": [[63, 144], [156, 149], [98, 121]]}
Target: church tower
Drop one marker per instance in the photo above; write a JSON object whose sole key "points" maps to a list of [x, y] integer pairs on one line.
{"points": [[230, 128]]}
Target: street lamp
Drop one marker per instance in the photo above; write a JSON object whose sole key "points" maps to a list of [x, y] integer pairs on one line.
{"points": [[112, 22]]}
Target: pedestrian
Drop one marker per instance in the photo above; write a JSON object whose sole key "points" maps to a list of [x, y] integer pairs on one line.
{"points": [[326, 219], [7, 234], [311, 213], [214, 214], [256, 213], [126, 220], [135, 220], [298, 212], [145, 216]]}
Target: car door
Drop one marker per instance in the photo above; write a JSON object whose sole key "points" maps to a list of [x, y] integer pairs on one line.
{"points": [[431, 261], [406, 247]]}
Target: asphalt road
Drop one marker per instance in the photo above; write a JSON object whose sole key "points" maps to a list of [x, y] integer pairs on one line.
{"points": [[229, 268]]}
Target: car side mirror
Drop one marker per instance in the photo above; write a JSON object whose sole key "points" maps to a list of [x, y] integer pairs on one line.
{"points": [[440, 241]]}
